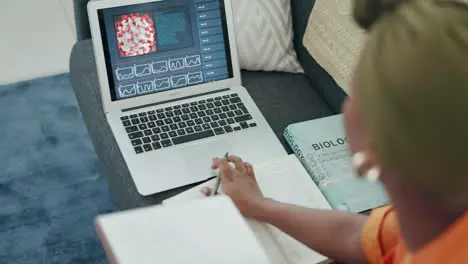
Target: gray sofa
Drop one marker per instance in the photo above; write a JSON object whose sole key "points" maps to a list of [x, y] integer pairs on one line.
{"points": [[282, 97]]}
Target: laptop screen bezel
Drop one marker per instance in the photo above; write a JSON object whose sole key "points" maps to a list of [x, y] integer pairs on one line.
{"points": [[105, 74]]}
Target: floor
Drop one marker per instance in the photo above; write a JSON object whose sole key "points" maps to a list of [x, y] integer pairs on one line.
{"points": [[41, 35]]}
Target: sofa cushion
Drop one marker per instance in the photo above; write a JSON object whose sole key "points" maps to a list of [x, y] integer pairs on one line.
{"points": [[324, 84], [283, 98], [264, 34], [334, 39]]}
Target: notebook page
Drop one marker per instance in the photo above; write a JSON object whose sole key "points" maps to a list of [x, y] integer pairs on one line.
{"points": [[287, 181], [182, 234], [284, 180]]}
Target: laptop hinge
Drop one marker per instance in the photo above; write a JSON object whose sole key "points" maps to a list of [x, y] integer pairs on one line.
{"points": [[174, 100]]}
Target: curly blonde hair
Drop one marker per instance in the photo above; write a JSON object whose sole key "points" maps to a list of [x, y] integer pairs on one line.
{"points": [[412, 84]]}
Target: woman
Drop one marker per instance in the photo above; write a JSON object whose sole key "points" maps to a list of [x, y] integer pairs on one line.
{"points": [[407, 123]]}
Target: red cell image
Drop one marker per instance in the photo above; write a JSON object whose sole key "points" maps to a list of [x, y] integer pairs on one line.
{"points": [[136, 34]]}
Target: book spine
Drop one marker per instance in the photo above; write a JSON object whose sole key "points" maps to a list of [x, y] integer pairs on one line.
{"points": [[298, 151]]}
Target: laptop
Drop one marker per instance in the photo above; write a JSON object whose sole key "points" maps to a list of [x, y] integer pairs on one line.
{"points": [[171, 90]]}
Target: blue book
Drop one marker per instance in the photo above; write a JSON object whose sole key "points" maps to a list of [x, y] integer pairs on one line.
{"points": [[321, 146]]}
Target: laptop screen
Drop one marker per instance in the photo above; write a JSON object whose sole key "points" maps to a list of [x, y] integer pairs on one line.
{"points": [[164, 45]]}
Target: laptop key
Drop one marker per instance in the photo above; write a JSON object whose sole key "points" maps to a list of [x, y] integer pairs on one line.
{"points": [[146, 140], [223, 116], [166, 143], [219, 131], [230, 114], [177, 112], [253, 125], [147, 147], [214, 125], [182, 125], [181, 132], [133, 116], [235, 100], [165, 129], [163, 136], [161, 116], [131, 129], [186, 110], [124, 118], [237, 128], [148, 132], [194, 109], [201, 114], [206, 127], [177, 107], [137, 142], [156, 130], [225, 108], [193, 103], [215, 117], [232, 107], [177, 119], [144, 119], [218, 98], [206, 119], [230, 121], [198, 128], [218, 104], [217, 110], [155, 138], [198, 121], [151, 124], [238, 112], [174, 127], [156, 145], [193, 115], [202, 101], [210, 105], [226, 96], [244, 125], [243, 118], [160, 123], [168, 108], [160, 110], [168, 121], [189, 130], [135, 135], [228, 129], [185, 117], [190, 123], [202, 107], [138, 150], [234, 95], [151, 112], [169, 114], [142, 126], [209, 112], [152, 117], [210, 100], [173, 134], [126, 123], [222, 123], [193, 137], [185, 105], [135, 121], [142, 114], [225, 102]]}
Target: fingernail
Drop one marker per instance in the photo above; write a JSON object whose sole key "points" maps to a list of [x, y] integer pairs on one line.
{"points": [[205, 191], [373, 174]]}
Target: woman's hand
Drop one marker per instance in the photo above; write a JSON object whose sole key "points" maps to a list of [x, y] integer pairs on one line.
{"points": [[239, 184]]}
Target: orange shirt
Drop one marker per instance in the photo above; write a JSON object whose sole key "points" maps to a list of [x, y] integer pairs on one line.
{"points": [[383, 243]]}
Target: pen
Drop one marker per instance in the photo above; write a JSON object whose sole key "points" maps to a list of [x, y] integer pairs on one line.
{"points": [[218, 179]]}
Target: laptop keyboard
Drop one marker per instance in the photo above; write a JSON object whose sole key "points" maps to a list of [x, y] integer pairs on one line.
{"points": [[166, 127]]}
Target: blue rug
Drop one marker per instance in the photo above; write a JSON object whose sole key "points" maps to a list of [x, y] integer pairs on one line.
{"points": [[51, 187]]}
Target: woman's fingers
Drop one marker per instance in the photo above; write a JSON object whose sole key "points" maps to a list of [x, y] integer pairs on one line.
{"points": [[207, 191], [249, 169], [238, 163], [225, 170]]}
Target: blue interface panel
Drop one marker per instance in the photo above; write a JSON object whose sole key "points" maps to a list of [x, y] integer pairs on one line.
{"points": [[164, 45]]}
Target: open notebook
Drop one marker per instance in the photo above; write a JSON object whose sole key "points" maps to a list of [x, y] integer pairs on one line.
{"points": [[284, 180], [200, 232]]}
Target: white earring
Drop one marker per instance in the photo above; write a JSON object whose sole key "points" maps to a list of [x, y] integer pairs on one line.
{"points": [[358, 160], [373, 174]]}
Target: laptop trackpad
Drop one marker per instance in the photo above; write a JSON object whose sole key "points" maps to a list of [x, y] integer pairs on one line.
{"points": [[199, 159]]}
